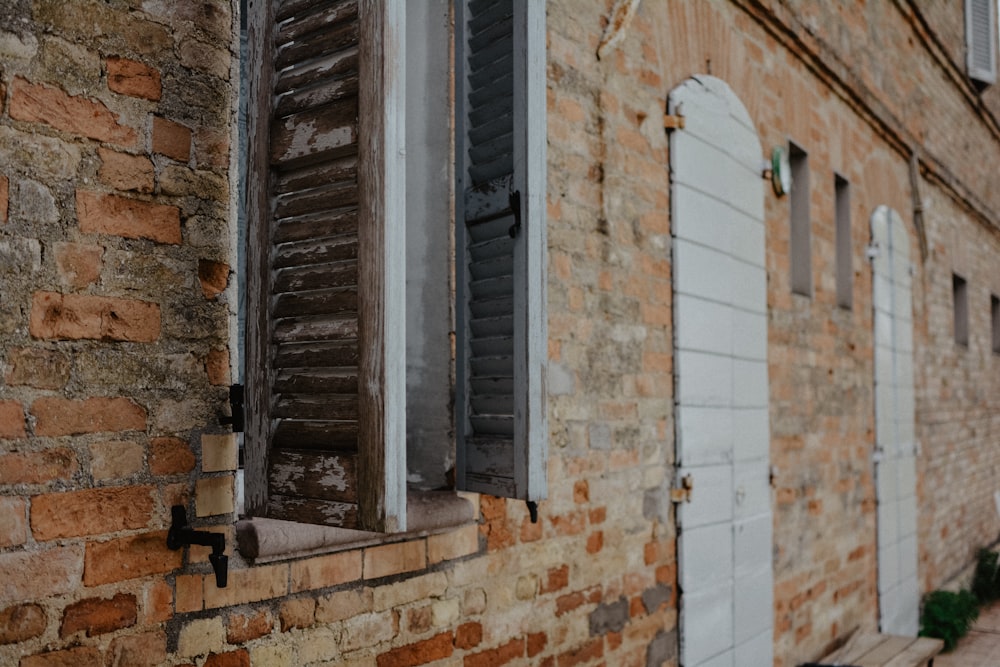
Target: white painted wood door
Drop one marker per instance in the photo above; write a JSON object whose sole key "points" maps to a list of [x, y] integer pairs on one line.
{"points": [[721, 393]]}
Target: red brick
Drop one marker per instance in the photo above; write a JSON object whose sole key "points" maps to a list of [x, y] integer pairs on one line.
{"points": [[437, 647], [590, 651], [63, 416], [171, 139], [36, 367], [581, 491], [242, 629], [11, 420], [531, 532], [37, 467], [298, 613], [97, 616], [495, 657], [129, 558], [79, 265], [536, 643], [21, 622], [214, 276], [38, 103], [82, 316], [132, 78], [170, 456], [217, 367], [158, 602], [569, 524], [53, 571], [81, 656], [132, 218], [123, 171], [238, 658], [595, 542], [91, 512], [468, 635], [556, 579], [13, 525], [148, 649], [4, 197]]}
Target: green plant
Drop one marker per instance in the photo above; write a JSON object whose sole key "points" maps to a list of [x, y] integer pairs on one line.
{"points": [[948, 616], [986, 579]]}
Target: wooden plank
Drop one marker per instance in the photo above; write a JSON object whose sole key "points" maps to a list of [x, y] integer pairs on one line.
{"points": [[330, 68], [322, 276], [311, 474], [318, 380], [859, 644], [325, 435], [322, 250], [326, 223], [318, 134], [313, 16], [328, 301], [314, 355], [891, 646], [316, 327], [341, 407], [314, 176], [339, 37], [311, 510], [324, 198], [918, 653]]}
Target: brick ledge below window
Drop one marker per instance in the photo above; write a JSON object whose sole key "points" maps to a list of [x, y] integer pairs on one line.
{"points": [[427, 513]]}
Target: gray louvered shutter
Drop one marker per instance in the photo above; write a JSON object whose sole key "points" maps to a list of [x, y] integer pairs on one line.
{"points": [[325, 411], [981, 40], [500, 241]]}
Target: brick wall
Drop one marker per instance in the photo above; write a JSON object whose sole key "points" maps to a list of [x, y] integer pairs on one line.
{"points": [[115, 183]]}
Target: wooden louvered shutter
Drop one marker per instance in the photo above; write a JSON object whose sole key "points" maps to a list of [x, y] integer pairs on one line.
{"points": [[325, 375], [981, 40], [500, 240]]}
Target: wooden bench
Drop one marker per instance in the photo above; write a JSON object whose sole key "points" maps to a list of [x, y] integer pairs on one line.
{"points": [[874, 650]]}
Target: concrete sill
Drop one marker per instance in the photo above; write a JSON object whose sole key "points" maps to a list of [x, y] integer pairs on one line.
{"points": [[427, 513]]}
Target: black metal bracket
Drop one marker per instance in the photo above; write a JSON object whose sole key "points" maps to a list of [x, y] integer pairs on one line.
{"points": [[515, 207], [238, 418], [532, 510], [181, 535]]}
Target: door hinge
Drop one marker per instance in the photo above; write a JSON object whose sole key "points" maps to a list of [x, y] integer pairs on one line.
{"points": [[236, 409], [681, 493]]}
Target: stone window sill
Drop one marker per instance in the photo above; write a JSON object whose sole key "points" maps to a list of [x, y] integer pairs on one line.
{"points": [[427, 513]]}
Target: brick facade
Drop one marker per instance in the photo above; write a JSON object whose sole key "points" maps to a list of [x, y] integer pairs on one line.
{"points": [[117, 291]]}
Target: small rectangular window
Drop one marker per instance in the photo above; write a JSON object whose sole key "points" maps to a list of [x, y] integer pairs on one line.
{"points": [[842, 214], [960, 303], [801, 234], [981, 41], [995, 322]]}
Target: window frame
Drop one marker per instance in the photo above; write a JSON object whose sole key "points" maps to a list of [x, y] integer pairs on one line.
{"points": [[980, 42]]}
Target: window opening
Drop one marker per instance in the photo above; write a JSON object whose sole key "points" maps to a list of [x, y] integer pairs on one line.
{"points": [[845, 270], [995, 322], [800, 245], [960, 304]]}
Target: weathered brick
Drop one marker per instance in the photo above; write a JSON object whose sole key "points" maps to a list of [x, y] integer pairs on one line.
{"points": [[91, 512], [264, 582], [37, 467], [132, 218], [536, 643], [454, 544], [79, 265], [80, 656], [115, 459], [437, 647], [200, 637], [21, 622], [217, 367], [129, 558], [609, 617], [13, 524], [171, 139], [82, 316], [125, 172], [63, 416], [39, 103], [344, 604], [389, 559], [592, 650], [11, 420], [97, 616], [158, 602], [297, 613], [37, 367], [214, 495], [468, 635], [239, 658], [213, 276], [133, 78], [190, 590], [556, 579], [54, 571], [148, 649], [170, 456], [219, 452], [324, 571], [242, 628], [494, 657]]}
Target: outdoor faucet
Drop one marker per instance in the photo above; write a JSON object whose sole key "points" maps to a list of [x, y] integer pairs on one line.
{"points": [[181, 535]]}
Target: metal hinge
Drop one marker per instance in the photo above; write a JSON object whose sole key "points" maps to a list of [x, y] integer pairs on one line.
{"points": [[673, 122], [872, 250], [236, 409], [681, 493]]}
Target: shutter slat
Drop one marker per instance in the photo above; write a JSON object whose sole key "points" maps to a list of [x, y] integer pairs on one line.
{"points": [[491, 120], [492, 327], [327, 92], [307, 17], [495, 385], [310, 474], [337, 300], [312, 510], [320, 71], [315, 176], [316, 327], [490, 148], [316, 251], [340, 37], [491, 367], [501, 246], [492, 268], [495, 425], [493, 404], [315, 358], [326, 223], [328, 435], [316, 406], [493, 287], [486, 13], [497, 228], [332, 197], [317, 380], [493, 346], [488, 82], [314, 135], [489, 170], [492, 307], [336, 274]]}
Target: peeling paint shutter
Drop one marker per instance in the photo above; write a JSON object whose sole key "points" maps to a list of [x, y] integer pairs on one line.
{"points": [[321, 439], [500, 238], [981, 40]]}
